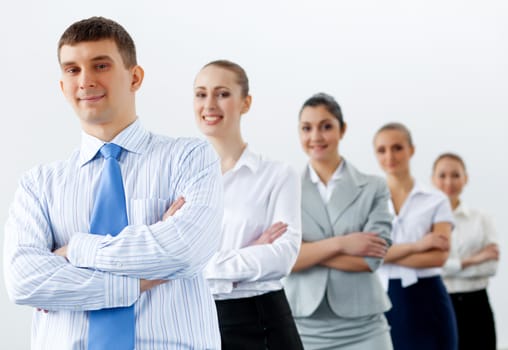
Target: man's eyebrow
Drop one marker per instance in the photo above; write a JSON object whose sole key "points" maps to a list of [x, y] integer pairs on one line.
{"points": [[102, 58], [96, 58]]}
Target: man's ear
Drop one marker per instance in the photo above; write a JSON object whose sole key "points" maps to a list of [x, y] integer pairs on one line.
{"points": [[137, 75]]}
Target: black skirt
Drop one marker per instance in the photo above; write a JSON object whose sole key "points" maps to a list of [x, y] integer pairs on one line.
{"points": [[258, 323], [475, 320]]}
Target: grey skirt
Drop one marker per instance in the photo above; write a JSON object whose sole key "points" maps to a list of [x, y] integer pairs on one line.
{"points": [[324, 330]]}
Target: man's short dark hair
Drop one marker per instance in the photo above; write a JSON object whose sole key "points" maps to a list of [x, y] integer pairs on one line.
{"points": [[100, 28]]}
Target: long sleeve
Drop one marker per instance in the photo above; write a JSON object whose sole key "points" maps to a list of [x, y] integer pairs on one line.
{"points": [[266, 262], [485, 269], [453, 264], [486, 230], [178, 247], [54, 203], [473, 232], [379, 221], [37, 277]]}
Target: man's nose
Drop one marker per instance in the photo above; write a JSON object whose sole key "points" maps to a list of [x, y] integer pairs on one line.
{"points": [[87, 80]]}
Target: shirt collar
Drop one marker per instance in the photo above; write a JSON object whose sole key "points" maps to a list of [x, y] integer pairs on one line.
{"points": [[337, 174], [419, 188], [133, 138], [461, 209], [248, 159]]}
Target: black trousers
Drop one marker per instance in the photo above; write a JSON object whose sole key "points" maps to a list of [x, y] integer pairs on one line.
{"points": [[474, 320], [258, 323]]}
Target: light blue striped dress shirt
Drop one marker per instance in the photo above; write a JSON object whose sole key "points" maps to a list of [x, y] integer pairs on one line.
{"points": [[52, 208]]}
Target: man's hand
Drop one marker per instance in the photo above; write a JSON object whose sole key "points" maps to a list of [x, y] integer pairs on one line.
{"points": [[145, 285], [62, 251], [271, 233], [174, 208]]}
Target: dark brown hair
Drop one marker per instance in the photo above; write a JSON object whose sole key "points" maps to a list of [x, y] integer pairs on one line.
{"points": [[398, 127], [100, 28], [327, 101], [241, 76], [450, 156]]}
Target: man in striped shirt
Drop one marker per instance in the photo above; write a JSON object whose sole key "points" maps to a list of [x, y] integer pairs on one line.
{"points": [[155, 263]]}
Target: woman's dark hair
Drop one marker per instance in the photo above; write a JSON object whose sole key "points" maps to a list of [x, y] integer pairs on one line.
{"points": [[327, 101], [449, 156]]}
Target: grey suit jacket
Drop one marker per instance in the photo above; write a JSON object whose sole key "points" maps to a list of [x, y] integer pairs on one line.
{"points": [[359, 203]]}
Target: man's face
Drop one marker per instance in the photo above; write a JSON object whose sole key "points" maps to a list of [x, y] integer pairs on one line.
{"points": [[97, 84]]}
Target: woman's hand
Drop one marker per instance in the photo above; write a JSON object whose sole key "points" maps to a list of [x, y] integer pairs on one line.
{"points": [[489, 252], [363, 244], [432, 241], [271, 233]]}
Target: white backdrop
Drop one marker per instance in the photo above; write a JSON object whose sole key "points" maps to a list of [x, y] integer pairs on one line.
{"points": [[441, 67]]}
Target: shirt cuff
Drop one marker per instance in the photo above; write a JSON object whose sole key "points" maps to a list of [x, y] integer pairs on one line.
{"points": [[452, 267], [82, 249], [373, 263], [120, 291], [220, 286]]}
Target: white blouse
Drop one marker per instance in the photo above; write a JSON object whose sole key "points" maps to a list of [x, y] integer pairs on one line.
{"points": [[473, 231], [423, 208], [326, 190], [257, 194]]}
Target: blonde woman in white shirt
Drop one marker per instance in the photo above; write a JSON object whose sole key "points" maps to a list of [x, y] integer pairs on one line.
{"points": [[474, 254], [261, 232], [422, 316]]}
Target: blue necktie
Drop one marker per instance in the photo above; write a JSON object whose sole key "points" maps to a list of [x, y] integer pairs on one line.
{"points": [[110, 328]]}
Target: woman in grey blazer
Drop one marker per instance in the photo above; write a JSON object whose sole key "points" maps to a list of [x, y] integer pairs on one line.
{"points": [[336, 298]]}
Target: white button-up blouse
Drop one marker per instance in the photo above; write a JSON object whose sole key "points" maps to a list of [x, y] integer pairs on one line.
{"points": [[423, 208], [257, 194], [473, 231]]}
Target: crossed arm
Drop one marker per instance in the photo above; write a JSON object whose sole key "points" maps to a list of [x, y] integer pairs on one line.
{"points": [[488, 253], [344, 253], [144, 284], [483, 262], [35, 276], [271, 255], [102, 271], [430, 251], [355, 251]]}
